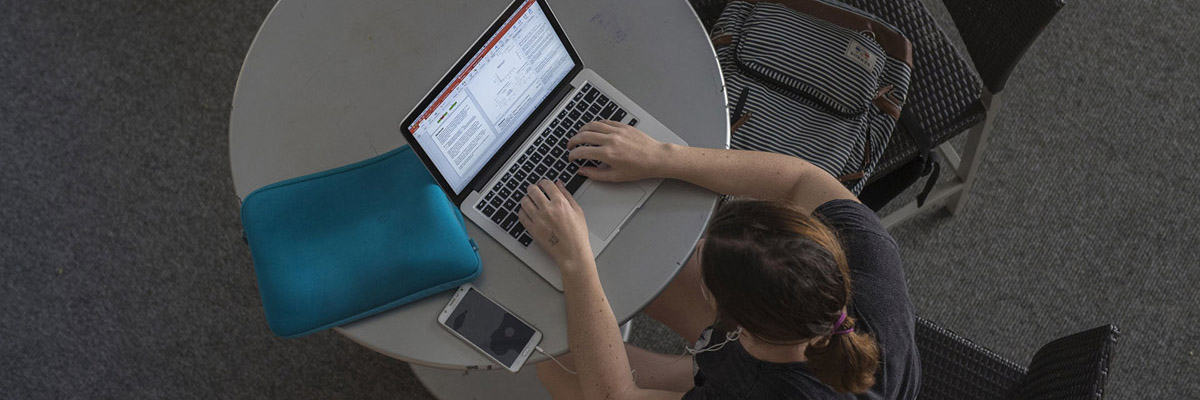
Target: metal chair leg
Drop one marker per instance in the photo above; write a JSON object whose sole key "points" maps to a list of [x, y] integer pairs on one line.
{"points": [[956, 192], [972, 155], [939, 193]]}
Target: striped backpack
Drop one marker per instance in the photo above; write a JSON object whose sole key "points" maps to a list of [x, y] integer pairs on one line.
{"points": [[813, 79]]}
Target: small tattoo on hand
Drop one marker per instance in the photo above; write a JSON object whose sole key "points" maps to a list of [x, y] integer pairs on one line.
{"points": [[553, 239]]}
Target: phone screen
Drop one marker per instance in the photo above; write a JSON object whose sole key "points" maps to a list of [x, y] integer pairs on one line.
{"points": [[489, 327]]}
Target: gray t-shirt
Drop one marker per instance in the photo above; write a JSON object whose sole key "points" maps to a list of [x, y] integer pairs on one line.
{"points": [[879, 303]]}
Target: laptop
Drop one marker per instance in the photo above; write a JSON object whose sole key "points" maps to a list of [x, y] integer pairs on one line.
{"points": [[500, 119]]}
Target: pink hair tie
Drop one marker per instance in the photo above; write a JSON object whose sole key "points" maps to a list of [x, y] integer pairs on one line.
{"points": [[840, 320]]}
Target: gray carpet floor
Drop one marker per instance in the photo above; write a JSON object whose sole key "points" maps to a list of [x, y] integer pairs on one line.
{"points": [[123, 275]]}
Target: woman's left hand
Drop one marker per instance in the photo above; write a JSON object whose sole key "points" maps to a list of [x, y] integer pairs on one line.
{"points": [[556, 222]]}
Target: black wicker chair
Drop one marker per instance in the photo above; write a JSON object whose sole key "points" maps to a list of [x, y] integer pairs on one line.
{"points": [[1072, 367], [945, 96]]}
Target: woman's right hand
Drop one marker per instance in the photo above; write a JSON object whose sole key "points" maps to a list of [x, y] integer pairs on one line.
{"points": [[627, 153]]}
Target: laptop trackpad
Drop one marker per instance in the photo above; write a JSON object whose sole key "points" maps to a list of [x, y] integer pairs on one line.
{"points": [[605, 205]]}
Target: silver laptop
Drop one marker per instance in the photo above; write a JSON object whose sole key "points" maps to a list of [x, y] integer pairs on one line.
{"points": [[500, 119]]}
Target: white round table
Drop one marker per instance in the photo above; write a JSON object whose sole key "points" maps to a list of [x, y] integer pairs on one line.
{"points": [[326, 83]]}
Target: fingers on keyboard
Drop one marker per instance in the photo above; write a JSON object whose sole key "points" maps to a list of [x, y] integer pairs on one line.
{"points": [[547, 157]]}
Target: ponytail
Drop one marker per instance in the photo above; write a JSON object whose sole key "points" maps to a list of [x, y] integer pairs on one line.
{"points": [[845, 361]]}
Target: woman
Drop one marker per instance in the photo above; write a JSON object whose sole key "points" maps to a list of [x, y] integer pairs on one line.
{"points": [[767, 297]]}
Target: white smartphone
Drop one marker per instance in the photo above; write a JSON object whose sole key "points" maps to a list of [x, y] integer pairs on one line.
{"points": [[490, 328]]}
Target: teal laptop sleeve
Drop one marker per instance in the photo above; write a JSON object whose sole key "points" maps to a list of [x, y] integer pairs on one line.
{"points": [[343, 244]]}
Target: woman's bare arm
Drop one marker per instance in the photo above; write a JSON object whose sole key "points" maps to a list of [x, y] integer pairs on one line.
{"points": [[629, 154]]}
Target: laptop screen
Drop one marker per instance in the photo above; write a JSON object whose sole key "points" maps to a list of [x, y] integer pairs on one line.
{"points": [[489, 98]]}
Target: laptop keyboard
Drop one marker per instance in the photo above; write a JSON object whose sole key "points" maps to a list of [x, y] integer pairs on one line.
{"points": [[547, 158]]}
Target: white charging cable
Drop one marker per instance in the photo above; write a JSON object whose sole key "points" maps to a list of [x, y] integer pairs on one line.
{"points": [[729, 337], [564, 367]]}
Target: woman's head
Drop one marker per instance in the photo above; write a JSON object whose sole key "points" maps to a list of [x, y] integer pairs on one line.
{"points": [[781, 275]]}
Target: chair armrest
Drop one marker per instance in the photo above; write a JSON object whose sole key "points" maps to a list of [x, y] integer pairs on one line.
{"points": [[997, 33], [1072, 367]]}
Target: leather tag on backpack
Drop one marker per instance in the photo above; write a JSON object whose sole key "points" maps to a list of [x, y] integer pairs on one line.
{"points": [[858, 53]]}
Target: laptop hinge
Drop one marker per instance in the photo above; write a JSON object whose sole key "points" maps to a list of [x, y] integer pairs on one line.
{"points": [[522, 134]]}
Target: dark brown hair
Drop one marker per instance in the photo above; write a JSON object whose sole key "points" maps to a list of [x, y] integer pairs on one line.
{"points": [[782, 276]]}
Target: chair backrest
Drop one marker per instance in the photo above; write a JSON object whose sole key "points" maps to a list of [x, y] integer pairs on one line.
{"points": [[944, 93], [953, 367], [997, 33], [1072, 367]]}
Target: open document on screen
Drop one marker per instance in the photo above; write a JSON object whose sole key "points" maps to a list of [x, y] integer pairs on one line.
{"points": [[488, 99], [461, 134]]}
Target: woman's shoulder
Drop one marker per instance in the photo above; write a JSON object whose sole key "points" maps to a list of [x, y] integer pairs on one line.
{"points": [[849, 217], [880, 302]]}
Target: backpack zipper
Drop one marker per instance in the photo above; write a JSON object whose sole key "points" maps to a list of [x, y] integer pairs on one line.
{"points": [[767, 81]]}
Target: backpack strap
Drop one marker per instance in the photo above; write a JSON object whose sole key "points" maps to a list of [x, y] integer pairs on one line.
{"points": [[888, 101], [932, 165]]}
